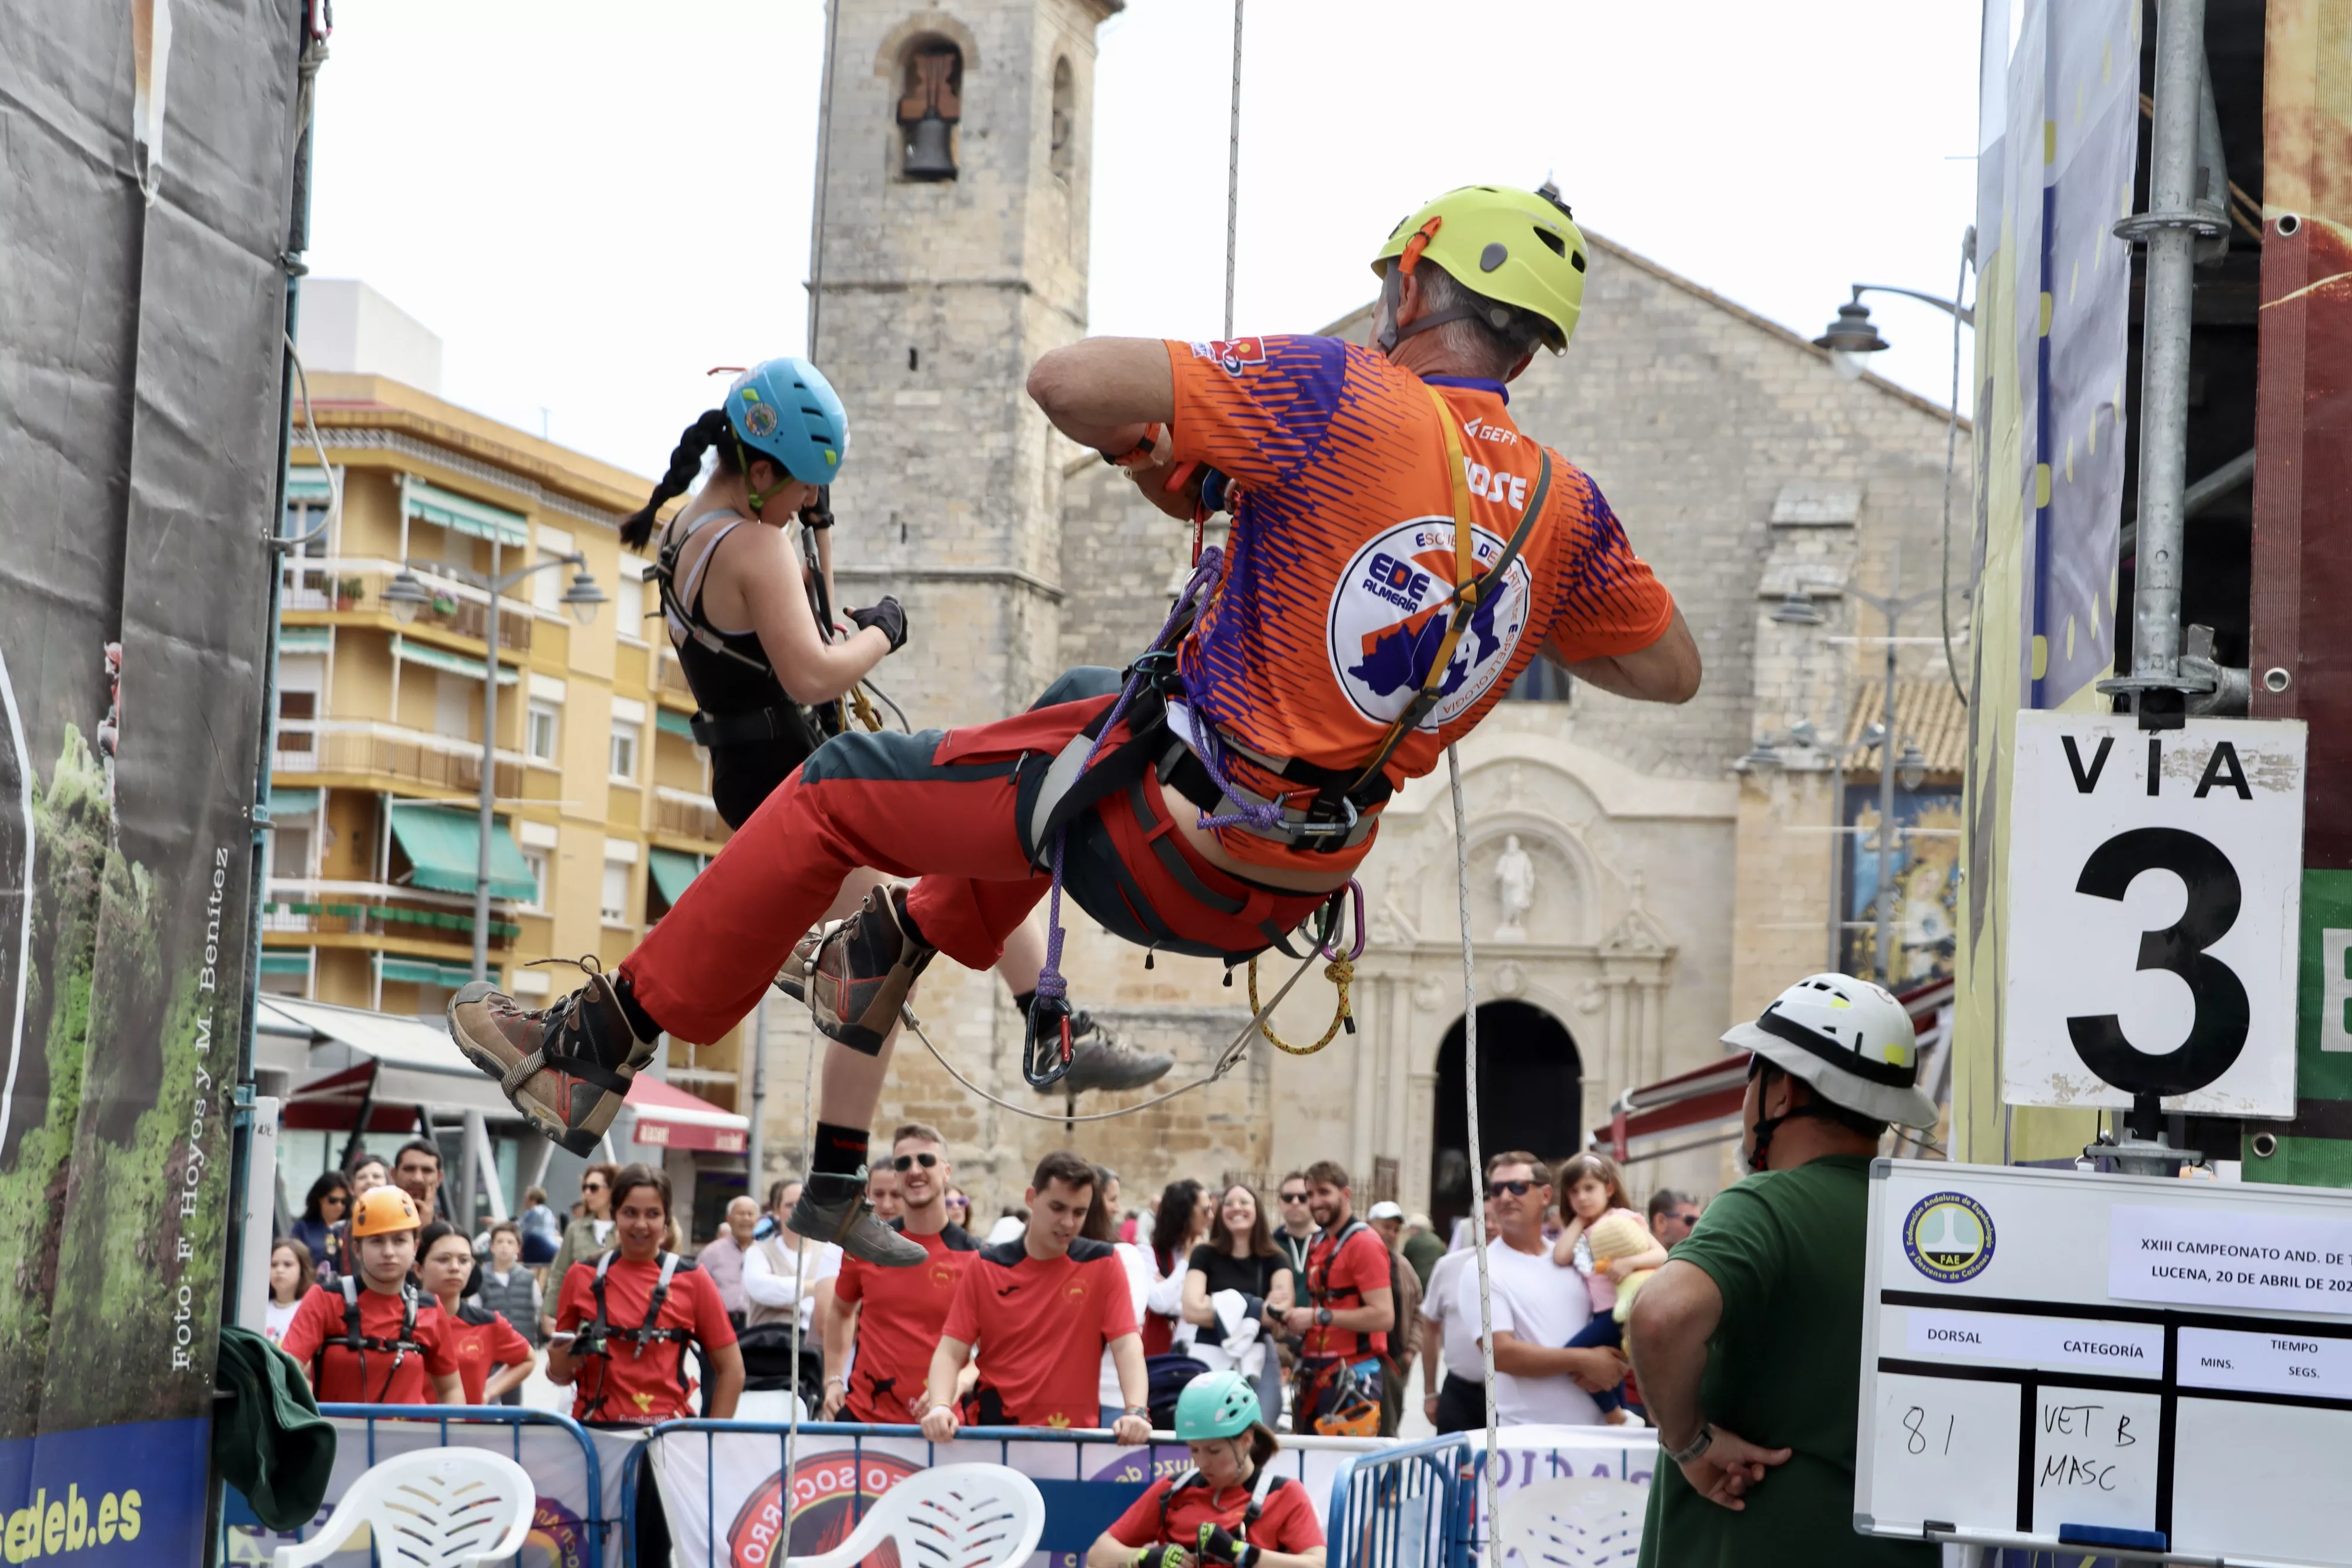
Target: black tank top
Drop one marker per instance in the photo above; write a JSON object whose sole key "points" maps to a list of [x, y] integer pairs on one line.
{"points": [[740, 681]]}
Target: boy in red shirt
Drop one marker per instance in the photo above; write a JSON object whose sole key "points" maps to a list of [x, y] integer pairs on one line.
{"points": [[1042, 1309], [1350, 1307], [479, 1338], [1227, 1510], [400, 1355], [893, 1316], [625, 1356]]}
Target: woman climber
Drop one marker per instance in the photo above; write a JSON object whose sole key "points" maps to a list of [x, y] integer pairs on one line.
{"points": [[773, 693], [1399, 552]]}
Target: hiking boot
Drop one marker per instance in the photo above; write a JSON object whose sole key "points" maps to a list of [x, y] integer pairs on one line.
{"points": [[1100, 1059], [566, 1067], [859, 972], [834, 1208]]}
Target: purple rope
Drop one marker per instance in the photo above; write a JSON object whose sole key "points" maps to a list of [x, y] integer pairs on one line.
{"points": [[1050, 981]]}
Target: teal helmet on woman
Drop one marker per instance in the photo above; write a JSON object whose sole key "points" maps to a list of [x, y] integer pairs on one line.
{"points": [[784, 409], [1215, 1405]]}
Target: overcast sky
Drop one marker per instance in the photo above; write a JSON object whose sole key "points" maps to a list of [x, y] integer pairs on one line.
{"points": [[593, 202]]}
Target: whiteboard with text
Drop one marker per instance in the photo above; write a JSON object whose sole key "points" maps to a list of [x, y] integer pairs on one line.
{"points": [[2131, 1366]]}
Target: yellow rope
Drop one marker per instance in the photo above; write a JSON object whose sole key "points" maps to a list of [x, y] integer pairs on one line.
{"points": [[866, 714], [1339, 972]]}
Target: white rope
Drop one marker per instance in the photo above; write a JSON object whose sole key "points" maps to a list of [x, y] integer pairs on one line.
{"points": [[824, 175], [800, 1247], [1477, 1156], [1235, 1049], [1233, 169]]}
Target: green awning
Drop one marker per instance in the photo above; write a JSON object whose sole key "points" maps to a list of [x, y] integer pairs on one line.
{"points": [[463, 514], [425, 971], [281, 960], [432, 658], [307, 484], [674, 872], [442, 846], [676, 723], [293, 802], [305, 640]]}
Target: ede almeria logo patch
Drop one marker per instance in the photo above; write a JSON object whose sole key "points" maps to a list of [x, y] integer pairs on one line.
{"points": [[1390, 613]]}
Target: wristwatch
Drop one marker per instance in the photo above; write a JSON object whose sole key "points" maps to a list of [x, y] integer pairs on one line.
{"points": [[1142, 1410], [1698, 1445], [1323, 1317]]}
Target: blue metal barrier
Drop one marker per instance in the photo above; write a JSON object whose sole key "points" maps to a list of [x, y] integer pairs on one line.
{"points": [[1412, 1506], [1077, 1439], [479, 1416]]}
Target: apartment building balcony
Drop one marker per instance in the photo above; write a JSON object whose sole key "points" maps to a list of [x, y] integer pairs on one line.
{"points": [[668, 675], [304, 912], [366, 753], [681, 813], [330, 591]]}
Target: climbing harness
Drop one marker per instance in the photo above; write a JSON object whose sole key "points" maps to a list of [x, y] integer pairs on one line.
{"points": [[1262, 1488], [592, 1339], [360, 1344]]}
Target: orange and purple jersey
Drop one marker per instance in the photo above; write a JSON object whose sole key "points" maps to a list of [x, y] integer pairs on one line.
{"points": [[1338, 574]]}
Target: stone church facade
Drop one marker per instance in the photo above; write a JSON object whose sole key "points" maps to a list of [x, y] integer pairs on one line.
{"points": [[1633, 889]]}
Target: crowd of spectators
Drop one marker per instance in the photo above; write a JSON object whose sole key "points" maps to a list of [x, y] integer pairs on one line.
{"points": [[1323, 1310]]}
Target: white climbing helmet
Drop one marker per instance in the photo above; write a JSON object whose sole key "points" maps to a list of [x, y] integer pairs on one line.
{"points": [[1848, 1039]]}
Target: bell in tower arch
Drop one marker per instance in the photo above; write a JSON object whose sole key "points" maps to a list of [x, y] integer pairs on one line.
{"points": [[931, 106]]}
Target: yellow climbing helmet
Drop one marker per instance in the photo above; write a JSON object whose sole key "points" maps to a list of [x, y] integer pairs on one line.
{"points": [[1509, 246]]}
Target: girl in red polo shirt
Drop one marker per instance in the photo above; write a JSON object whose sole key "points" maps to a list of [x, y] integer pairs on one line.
{"points": [[1227, 1510], [478, 1338]]}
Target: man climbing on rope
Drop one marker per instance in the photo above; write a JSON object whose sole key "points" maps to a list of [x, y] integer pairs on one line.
{"points": [[1399, 552]]}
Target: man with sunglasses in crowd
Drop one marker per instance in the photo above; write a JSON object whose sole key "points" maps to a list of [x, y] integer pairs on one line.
{"points": [[1295, 1234], [894, 1316], [1535, 1308]]}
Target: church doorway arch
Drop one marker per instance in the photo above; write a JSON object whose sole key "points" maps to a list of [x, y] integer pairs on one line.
{"points": [[1531, 1096]]}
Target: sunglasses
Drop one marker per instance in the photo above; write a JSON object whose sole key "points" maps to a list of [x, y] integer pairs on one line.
{"points": [[1293, 1197], [1517, 1189], [336, 1198], [959, 1203], [905, 1162]]}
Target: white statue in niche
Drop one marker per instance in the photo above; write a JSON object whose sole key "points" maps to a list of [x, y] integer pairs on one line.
{"points": [[1515, 885]]}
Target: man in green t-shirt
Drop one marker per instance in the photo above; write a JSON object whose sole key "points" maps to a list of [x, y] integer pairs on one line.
{"points": [[1748, 1343]]}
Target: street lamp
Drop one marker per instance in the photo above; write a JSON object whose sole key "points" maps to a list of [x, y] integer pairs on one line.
{"points": [[1852, 339], [406, 595], [1911, 767]]}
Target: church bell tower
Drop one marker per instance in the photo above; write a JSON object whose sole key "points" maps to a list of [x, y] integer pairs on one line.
{"points": [[952, 252]]}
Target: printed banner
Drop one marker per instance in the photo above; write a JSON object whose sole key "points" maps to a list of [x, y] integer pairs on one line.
{"points": [[2058, 97], [140, 438]]}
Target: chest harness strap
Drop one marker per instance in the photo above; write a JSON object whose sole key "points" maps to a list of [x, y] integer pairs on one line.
{"points": [[360, 1344], [1264, 1487], [682, 612], [591, 1340]]}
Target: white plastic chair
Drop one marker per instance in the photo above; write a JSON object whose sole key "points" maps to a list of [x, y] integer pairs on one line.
{"points": [[952, 1516], [1573, 1522], [433, 1507]]}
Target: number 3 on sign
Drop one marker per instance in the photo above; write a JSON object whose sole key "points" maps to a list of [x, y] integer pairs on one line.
{"points": [[2134, 856]]}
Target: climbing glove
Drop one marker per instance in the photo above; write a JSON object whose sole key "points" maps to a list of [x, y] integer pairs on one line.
{"points": [[1218, 1545], [1161, 1556], [887, 617], [818, 513]]}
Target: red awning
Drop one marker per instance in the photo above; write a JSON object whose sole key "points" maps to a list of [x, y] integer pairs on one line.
{"points": [[670, 1118], [1707, 1097]]}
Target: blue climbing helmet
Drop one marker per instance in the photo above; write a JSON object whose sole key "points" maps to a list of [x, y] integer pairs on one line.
{"points": [[1215, 1405], [785, 409]]}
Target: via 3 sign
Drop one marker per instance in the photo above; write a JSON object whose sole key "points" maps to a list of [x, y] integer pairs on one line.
{"points": [[2155, 885]]}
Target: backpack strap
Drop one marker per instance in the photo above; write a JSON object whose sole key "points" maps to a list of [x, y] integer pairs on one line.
{"points": [[1190, 1477], [684, 612]]}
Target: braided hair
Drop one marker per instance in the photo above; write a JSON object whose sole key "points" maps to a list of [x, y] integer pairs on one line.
{"points": [[712, 429]]}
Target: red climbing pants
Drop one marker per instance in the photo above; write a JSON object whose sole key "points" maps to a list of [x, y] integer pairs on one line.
{"points": [[939, 806]]}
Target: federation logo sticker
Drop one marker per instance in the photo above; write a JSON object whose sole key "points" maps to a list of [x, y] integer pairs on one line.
{"points": [[1948, 1237], [760, 418], [1390, 614], [1232, 356]]}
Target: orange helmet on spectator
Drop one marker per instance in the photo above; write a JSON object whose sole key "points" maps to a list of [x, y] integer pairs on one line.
{"points": [[384, 1210]]}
